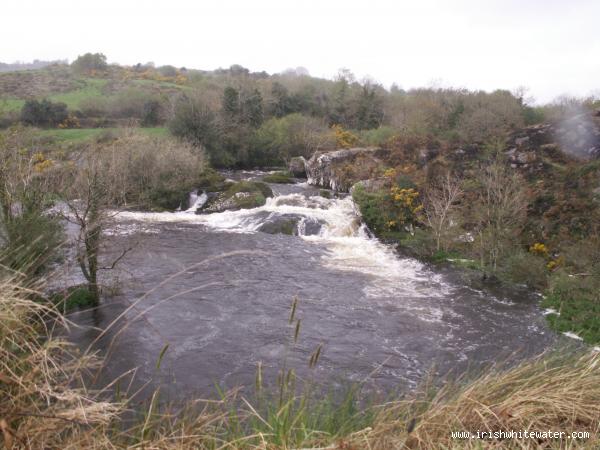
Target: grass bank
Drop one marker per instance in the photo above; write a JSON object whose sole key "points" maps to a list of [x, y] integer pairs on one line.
{"points": [[75, 135]]}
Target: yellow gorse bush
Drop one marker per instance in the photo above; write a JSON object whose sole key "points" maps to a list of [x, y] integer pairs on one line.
{"points": [[539, 249], [344, 138], [389, 173], [405, 196], [41, 163]]}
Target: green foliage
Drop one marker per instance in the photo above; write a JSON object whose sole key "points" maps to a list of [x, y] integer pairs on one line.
{"points": [[378, 137], [369, 108], [577, 301], [166, 197], [387, 210], [195, 122], [251, 187], [279, 139], [151, 113], [211, 181], [524, 268], [75, 297], [33, 242], [89, 62], [279, 177], [231, 102], [43, 113]]}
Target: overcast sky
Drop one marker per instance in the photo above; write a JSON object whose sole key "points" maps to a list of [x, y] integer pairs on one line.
{"points": [[552, 46]]}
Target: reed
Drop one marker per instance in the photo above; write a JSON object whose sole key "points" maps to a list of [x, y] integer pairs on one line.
{"points": [[45, 404]]}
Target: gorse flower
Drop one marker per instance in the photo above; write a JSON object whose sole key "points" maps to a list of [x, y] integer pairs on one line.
{"points": [[539, 249]]}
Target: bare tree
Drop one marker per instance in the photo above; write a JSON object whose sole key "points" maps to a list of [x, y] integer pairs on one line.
{"points": [[441, 201], [126, 171], [501, 209], [89, 192]]}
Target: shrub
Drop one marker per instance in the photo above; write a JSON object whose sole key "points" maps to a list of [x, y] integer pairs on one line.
{"points": [[525, 268], [152, 171], [195, 122], [279, 177], [33, 241], [378, 137], [43, 113], [151, 113], [279, 139]]}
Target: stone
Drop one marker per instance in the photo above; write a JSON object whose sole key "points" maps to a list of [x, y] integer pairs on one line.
{"points": [[340, 169], [297, 166]]}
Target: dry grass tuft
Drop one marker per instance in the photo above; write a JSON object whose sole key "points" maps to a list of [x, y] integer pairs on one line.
{"points": [[555, 392], [44, 403]]}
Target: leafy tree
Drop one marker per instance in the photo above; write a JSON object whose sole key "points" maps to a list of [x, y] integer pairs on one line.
{"points": [[279, 139], [90, 62], [231, 103], [251, 112], [369, 111], [195, 122], [283, 103]]}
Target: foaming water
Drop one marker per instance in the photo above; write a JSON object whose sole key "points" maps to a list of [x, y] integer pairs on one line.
{"points": [[369, 307], [349, 246]]}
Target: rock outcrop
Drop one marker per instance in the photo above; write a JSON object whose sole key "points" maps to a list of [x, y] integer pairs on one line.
{"points": [[340, 169], [241, 195], [577, 136], [297, 167]]}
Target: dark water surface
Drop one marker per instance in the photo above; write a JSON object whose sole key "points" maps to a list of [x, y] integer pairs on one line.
{"points": [[379, 317]]}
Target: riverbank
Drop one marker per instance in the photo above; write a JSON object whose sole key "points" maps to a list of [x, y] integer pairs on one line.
{"points": [[45, 404]]}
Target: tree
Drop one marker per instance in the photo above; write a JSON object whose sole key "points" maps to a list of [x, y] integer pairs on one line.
{"points": [[369, 110], [134, 169], [282, 104], [440, 203], [251, 109], [279, 139], [231, 103], [500, 210], [195, 122], [90, 62], [88, 193], [43, 113]]}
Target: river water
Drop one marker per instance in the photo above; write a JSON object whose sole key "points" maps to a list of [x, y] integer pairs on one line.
{"points": [[217, 289]]}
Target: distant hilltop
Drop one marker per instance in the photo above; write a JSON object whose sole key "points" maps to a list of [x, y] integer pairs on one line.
{"points": [[36, 64]]}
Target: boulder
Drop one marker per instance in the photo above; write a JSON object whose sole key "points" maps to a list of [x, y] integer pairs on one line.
{"points": [[297, 166], [241, 195], [340, 169]]}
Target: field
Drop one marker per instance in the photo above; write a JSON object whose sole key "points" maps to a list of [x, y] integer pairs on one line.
{"points": [[83, 134]]}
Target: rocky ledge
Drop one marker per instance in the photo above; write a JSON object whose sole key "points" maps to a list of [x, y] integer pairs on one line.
{"points": [[340, 169]]}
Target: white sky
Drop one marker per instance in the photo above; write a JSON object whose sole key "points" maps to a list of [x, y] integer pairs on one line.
{"points": [[551, 46]]}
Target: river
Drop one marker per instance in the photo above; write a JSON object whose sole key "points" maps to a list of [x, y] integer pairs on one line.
{"points": [[217, 289]]}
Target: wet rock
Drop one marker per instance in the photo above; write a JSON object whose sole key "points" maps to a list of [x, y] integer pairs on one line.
{"points": [[340, 169], [241, 195], [285, 224], [297, 167]]}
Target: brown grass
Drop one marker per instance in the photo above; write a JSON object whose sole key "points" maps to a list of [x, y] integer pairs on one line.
{"points": [[44, 403]]}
